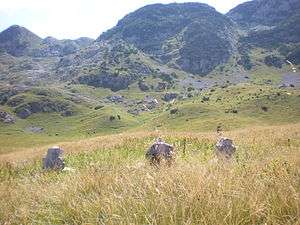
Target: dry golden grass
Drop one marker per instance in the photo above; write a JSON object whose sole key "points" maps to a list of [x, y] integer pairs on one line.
{"points": [[248, 135], [112, 183], [85, 145]]}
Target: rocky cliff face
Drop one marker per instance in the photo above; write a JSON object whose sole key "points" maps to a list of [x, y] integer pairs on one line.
{"points": [[273, 22], [264, 12], [286, 32], [270, 24], [191, 36]]}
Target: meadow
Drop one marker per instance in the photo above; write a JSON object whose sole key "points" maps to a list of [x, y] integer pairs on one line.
{"points": [[110, 182]]}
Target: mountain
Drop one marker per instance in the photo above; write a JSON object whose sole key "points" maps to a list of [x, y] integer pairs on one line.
{"points": [[270, 24], [192, 37], [84, 41], [264, 12], [54, 47], [18, 41], [286, 32], [114, 65], [157, 41]]}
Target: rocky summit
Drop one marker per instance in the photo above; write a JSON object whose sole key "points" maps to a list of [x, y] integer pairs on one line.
{"points": [[18, 41], [192, 37]]}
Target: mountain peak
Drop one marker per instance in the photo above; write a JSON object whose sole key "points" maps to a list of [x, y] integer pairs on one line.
{"points": [[17, 31], [15, 26], [181, 34], [186, 5], [17, 40]]}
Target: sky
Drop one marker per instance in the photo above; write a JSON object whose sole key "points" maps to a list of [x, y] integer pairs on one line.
{"points": [[71, 19]]}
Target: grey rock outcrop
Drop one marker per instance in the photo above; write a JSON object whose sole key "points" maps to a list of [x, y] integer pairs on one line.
{"points": [[161, 86], [34, 129], [160, 151], [23, 113], [44, 105], [106, 80], [150, 102], [143, 86], [170, 96], [53, 159], [116, 98], [6, 118]]}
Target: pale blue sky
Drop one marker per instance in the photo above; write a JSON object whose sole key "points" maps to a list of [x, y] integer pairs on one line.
{"points": [[77, 18]]}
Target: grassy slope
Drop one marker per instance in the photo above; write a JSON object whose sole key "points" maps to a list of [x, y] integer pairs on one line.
{"points": [[112, 184], [247, 100], [193, 115]]}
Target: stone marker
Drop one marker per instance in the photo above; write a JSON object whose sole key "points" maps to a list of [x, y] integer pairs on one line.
{"points": [[160, 151], [54, 159], [225, 148]]}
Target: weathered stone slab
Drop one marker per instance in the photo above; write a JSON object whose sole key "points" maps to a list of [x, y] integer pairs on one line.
{"points": [[53, 159], [161, 151], [225, 147]]}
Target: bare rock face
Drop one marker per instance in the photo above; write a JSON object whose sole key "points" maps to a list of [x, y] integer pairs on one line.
{"points": [[192, 36], [53, 159], [44, 105], [34, 129], [263, 12], [6, 118], [116, 98], [143, 86], [161, 86], [150, 102], [170, 96], [161, 151], [225, 148]]}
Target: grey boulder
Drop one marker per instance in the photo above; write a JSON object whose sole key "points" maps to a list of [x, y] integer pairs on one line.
{"points": [[225, 148], [160, 151]]}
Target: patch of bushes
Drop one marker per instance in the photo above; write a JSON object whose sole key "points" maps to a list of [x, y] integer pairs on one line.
{"points": [[245, 61], [173, 111]]}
